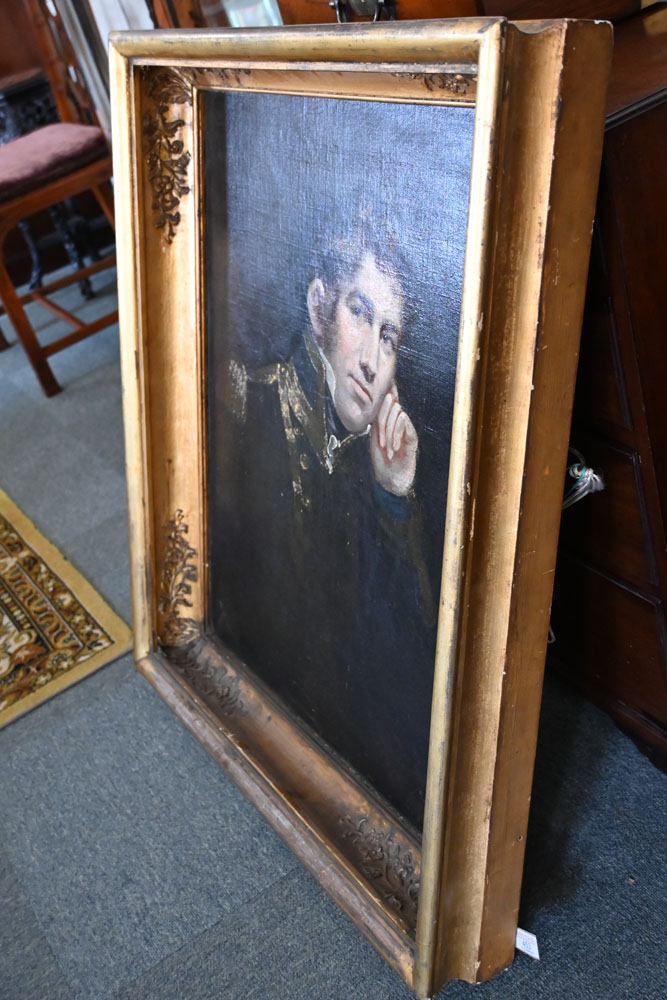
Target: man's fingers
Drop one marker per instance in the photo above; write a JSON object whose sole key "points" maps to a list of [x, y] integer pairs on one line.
{"points": [[393, 426], [410, 431], [394, 414], [399, 429], [387, 403]]}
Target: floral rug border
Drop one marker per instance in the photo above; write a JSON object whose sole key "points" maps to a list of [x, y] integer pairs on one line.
{"points": [[55, 629]]}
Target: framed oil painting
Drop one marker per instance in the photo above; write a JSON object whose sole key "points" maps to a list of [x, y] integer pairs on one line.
{"points": [[352, 265]]}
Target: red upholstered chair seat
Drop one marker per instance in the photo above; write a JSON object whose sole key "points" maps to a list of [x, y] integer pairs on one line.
{"points": [[46, 154]]}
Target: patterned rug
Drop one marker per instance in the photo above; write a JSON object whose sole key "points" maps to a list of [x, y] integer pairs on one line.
{"points": [[54, 628]]}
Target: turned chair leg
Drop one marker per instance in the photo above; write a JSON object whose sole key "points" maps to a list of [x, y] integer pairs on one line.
{"points": [[104, 195], [24, 331]]}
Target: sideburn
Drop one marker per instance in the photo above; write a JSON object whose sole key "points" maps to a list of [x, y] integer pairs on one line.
{"points": [[327, 316]]}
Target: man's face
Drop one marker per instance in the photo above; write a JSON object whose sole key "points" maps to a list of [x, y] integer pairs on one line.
{"points": [[363, 344]]}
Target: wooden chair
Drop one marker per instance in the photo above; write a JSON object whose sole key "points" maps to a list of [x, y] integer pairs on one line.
{"points": [[43, 168], [188, 14]]}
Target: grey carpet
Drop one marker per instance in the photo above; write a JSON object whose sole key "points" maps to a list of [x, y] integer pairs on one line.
{"points": [[132, 869]]}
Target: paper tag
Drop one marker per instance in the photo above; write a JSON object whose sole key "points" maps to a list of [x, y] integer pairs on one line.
{"points": [[527, 943]]}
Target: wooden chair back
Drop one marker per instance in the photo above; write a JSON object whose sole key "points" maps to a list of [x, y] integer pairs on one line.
{"points": [[70, 92], [188, 14]]}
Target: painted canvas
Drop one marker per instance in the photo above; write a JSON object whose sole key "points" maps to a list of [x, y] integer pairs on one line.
{"points": [[334, 250]]}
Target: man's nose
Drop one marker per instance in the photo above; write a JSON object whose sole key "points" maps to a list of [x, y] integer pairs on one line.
{"points": [[369, 356], [367, 372]]}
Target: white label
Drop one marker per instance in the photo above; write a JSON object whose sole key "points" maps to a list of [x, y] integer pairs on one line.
{"points": [[527, 943]]}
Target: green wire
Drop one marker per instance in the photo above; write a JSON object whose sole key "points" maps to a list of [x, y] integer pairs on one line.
{"points": [[583, 473]]}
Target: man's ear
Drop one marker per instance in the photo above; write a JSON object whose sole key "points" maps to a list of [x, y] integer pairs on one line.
{"points": [[316, 302]]}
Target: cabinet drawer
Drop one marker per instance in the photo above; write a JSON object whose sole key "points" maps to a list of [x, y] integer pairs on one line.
{"points": [[610, 637], [609, 530]]}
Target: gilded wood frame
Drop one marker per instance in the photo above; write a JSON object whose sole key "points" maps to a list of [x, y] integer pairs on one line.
{"points": [[443, 905]]}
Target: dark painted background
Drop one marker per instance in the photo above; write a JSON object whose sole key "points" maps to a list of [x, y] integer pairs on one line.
{"points": [[282, 174]]}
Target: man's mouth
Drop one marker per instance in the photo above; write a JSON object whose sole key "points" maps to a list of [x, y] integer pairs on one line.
{"points": [[362, 388]]}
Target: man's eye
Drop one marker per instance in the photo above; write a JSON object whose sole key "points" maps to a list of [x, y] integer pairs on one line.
{"points": [[360, 312], [388, 340]]}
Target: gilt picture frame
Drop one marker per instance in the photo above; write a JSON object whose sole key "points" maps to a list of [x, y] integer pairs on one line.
{"points": [[352, 265]]}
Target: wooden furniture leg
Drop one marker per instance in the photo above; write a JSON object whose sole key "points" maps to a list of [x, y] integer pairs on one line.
{"points": [[104, 195], [24, 330]]}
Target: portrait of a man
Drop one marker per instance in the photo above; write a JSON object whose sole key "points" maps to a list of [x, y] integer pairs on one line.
{"points": [[324, 470], [357, 325]]}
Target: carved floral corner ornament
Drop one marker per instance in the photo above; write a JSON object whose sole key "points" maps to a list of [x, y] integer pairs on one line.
{"points": [[207, 674], [213, 682], [386, 864], [457, 83], [166, 158], [178, 575]]}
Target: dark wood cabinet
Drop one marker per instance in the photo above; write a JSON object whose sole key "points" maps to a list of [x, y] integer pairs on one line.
{"points": [[611, 581]]}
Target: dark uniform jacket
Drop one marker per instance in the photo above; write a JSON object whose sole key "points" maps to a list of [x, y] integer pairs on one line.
{"points": [[319, 581]]}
